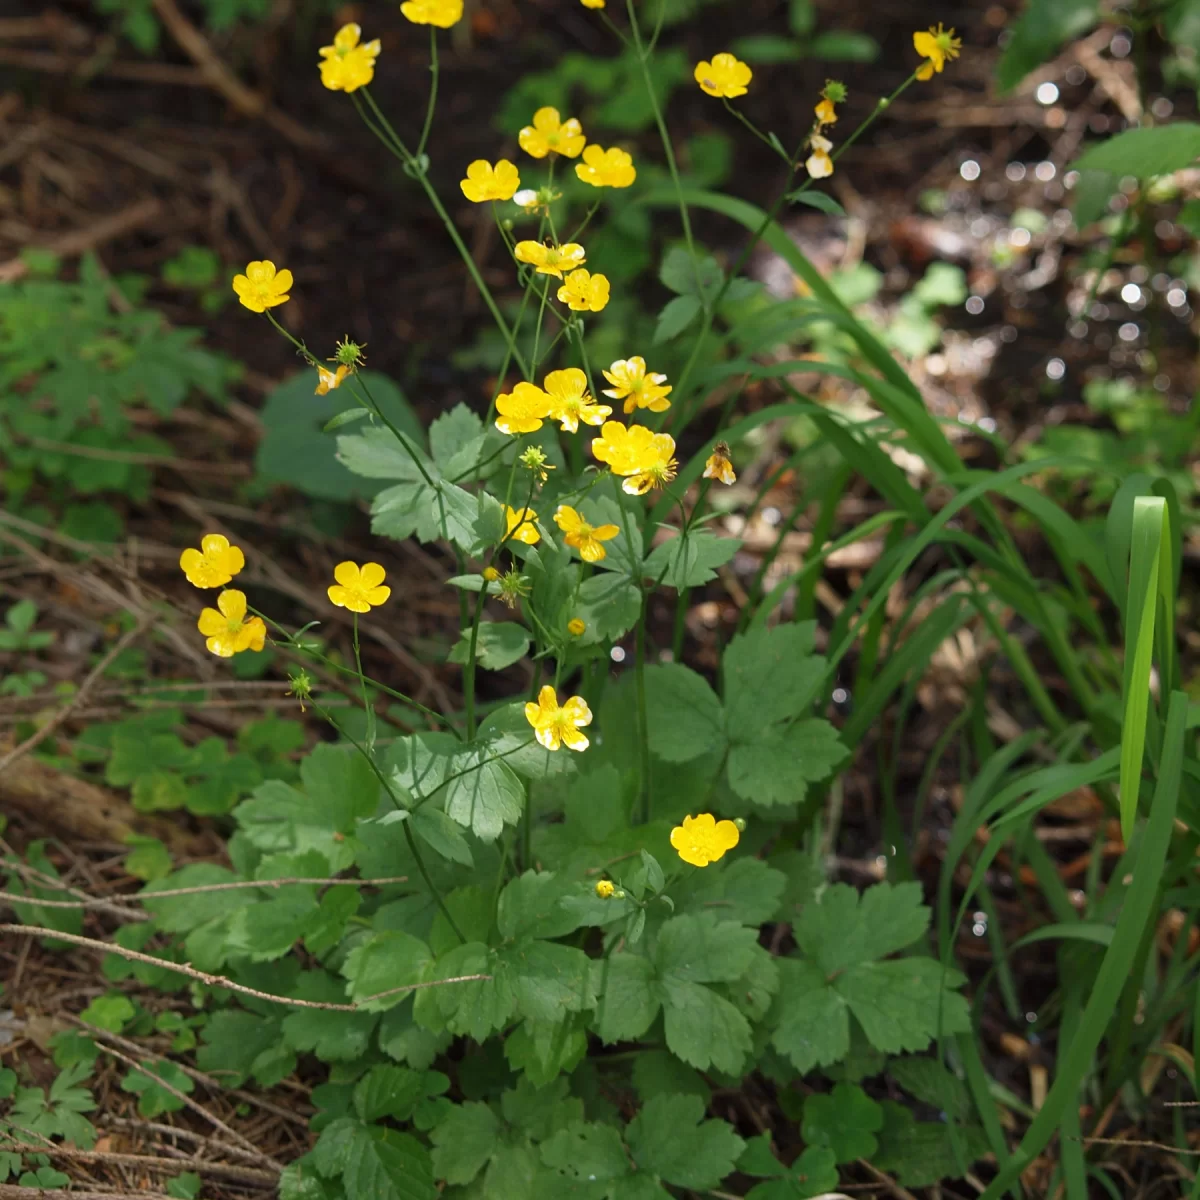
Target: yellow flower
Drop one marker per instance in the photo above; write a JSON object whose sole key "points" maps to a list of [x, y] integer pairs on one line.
{"points": [[718, 465], [570, 401], [637, 387], [521, 526], [584, 292], [703, 839], [818, 164], [261, 287], [556, 726], [549, 134], [327, 380], [228, 632], [584, 537], [606, 168], [644, 457], [522, 410], [359, 589], [575, 627], [592, 3], [214, 564], [491, 574], [485, 182], [826, 114], [550, 260], [604, 887], [346, 65], [442, 13], [724, 76], [939, 46]]}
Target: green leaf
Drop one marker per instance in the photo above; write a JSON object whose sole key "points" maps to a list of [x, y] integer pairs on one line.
{"points": [[628, 1001], [112, 1011], [546, 1049], [845, 926], [814, 1030], [846, 1120], [331, 1036], [821, 201], [684, 562], [905, 1003], [767, 48], [702, 949], [811, 1176], [586, 1150], [608, 604], [295, 450], [236, 1044], [442, 512], [499, 644], [671, 1139], [464, 1141], [740, 889], [1146, 152], [687, 277], [844, 45], [474, 1009], [758, 1158], [531, 905], [441, 833], [148, 859], [455, 440], [348, 417], [922, 1153], [688, 721], [1043, 27], [932, 1084], [657, 1073], [486, 794], [779, 765], [387, 960], [147, 1084], [771, 674], [550, 979], [388, 1091], [676, 315], [704, 1029], [374, 1161], [181, 914]]}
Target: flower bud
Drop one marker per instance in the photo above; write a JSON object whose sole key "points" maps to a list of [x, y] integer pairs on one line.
{"points": [[605, 888], [740, 822]]}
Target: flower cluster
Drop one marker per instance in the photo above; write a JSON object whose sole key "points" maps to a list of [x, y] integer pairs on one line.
{"points": [[819, 163], [550, 134], [643, 458], [564, 398]]}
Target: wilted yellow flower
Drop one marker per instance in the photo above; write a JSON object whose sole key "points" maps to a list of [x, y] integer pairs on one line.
{"points": [[724, 76], [550, 260], [549, 134], [826, 113], [638, 388], [485, 182], [358, 588], [556, 726], [584, 537], [523, 409], [583, 291], [227, 632], [442, 13], [939, 46], [818, 164], [703, 839], [604, 887], [348, 65], [645, 458], [327, 380], [521, 526], [718, 465], [606, 168], [214, 564], [570, 401], [575, 627], [262, 287]]}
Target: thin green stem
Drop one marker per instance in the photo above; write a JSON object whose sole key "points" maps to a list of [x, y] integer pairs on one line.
{"points": [[758, 133], [433, 90], [368, 708]]}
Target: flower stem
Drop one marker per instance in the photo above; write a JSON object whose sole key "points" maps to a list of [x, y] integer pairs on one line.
{"points": [[433, 89], [368, 707], [754, 129]]}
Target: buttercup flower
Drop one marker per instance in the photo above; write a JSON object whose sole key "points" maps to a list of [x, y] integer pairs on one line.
{"points": [[575, 627], [262, 287], [214, 564], [442, 13], [703, 839], [584, 292], [570, 401], [826, 114], [549, 134], [818, 164], [359, 589], [638, 388], [604, 887], [550, 260], [348, 65], [556, 726], [485, 182], [521, 526], [592, 3], [327, 380], [522, 410], [606, 168], [584, 537], [724, 76], [718, 465], [227, 632], [644, 457], [939, 46]]}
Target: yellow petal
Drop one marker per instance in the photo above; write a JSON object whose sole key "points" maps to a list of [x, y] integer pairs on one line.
{"points": [[347, 574], [371, 575], [232, 603]]}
